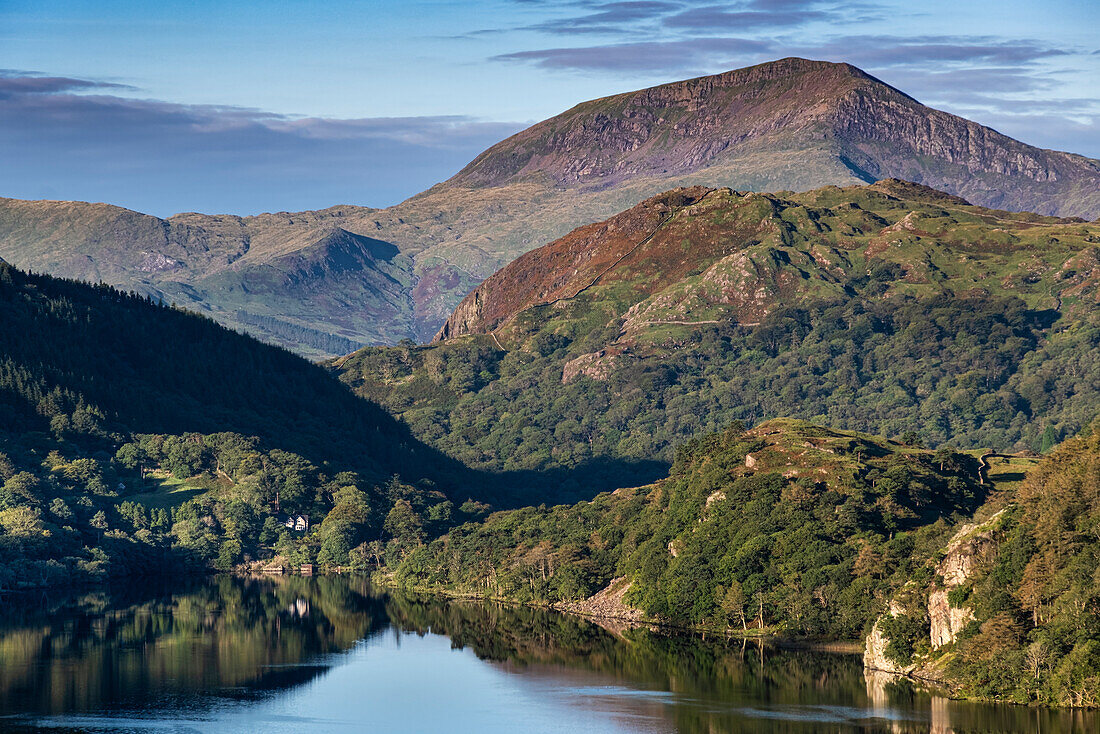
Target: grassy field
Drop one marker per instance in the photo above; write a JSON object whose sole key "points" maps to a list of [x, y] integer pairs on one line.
{"points": [[1006, 472], [165, 491]]}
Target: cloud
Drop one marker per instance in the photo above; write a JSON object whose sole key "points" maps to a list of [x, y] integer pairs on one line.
{"points": [[626, 18], [15, 82], [608, 18], [889, 51], [1053, 130], [645, 56], [721, 17], [160, 157]]}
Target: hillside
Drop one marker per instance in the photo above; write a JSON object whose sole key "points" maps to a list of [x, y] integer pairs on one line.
{"points": [[950, 572], [324, 282], [789, 524], [139, 439], [890, 308], [1011, 609]]}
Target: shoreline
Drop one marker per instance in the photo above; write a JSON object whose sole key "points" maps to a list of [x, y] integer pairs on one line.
{"points": [[845, 647]]}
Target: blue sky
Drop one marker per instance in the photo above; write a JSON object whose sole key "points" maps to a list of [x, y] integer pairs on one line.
{"points": [[289, 104]]}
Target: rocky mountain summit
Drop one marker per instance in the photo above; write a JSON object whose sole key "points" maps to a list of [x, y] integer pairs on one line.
{"points": [[290, 278], [837, 121]]}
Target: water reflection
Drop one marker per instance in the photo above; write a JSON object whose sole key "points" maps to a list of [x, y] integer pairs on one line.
{"points": [[327, 654]]}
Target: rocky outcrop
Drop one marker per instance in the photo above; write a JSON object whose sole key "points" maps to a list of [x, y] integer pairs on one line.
{"points": [[597, 365], [465, 319], [945, 621], [607, 603], [874, 648], [971, 546]]}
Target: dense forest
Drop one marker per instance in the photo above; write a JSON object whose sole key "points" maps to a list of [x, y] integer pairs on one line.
{"points": [[888, 309], [956, 371], [139, 438], [788, 526]]}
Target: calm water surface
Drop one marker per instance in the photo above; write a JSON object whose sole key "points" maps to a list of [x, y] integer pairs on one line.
{"points": [[332, 655]]}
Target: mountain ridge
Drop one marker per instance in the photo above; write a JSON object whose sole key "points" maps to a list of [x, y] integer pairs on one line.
{"points": [[887, 308], [791, 124]]}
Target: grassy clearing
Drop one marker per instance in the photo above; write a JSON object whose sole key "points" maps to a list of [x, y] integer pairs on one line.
{"points": [[165, 491]]}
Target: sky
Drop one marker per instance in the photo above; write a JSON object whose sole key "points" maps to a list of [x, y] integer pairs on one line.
{"points": [[166, 106]]}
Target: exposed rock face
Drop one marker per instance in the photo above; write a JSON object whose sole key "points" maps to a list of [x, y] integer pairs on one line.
{"points": [[874, 648], [946, 621], [597, 365], [466, 317], [970, 546], [607, 603]]}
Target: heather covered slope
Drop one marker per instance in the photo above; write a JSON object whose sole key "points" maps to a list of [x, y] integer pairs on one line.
{"points": [[889, 308], [323, 282]]}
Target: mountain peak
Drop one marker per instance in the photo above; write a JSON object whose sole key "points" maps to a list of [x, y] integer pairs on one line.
{"points": [[676, 128]]}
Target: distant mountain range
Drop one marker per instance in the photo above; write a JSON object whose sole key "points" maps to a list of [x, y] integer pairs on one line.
{"points": [[324, 282]]}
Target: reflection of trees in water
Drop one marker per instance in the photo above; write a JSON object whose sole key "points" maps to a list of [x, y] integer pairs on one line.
{"points": [[245, 637], [713, 672], [253, 635], [786, 690], [889, 693]]}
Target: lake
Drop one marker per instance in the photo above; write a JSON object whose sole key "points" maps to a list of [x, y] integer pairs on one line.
{"points": [[331, 654]]}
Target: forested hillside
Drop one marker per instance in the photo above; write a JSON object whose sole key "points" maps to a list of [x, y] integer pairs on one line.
{"points": [[790, 526], [889, 308], [1012, 608], [137, 437]]}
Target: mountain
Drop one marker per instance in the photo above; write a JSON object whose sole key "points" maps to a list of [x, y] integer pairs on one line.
{"points": [[273, 275], [890, 308], [303, 280]]}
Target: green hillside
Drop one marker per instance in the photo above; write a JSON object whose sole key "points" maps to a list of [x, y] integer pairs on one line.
{"points": [[890, 308], [789, 526], [142, 439]]}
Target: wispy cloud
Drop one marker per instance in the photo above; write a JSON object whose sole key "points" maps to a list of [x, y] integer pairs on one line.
{"points": [[65, 138], [932, 51], [649, 56], [714, 18], [14, 82], [609, 18]]}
